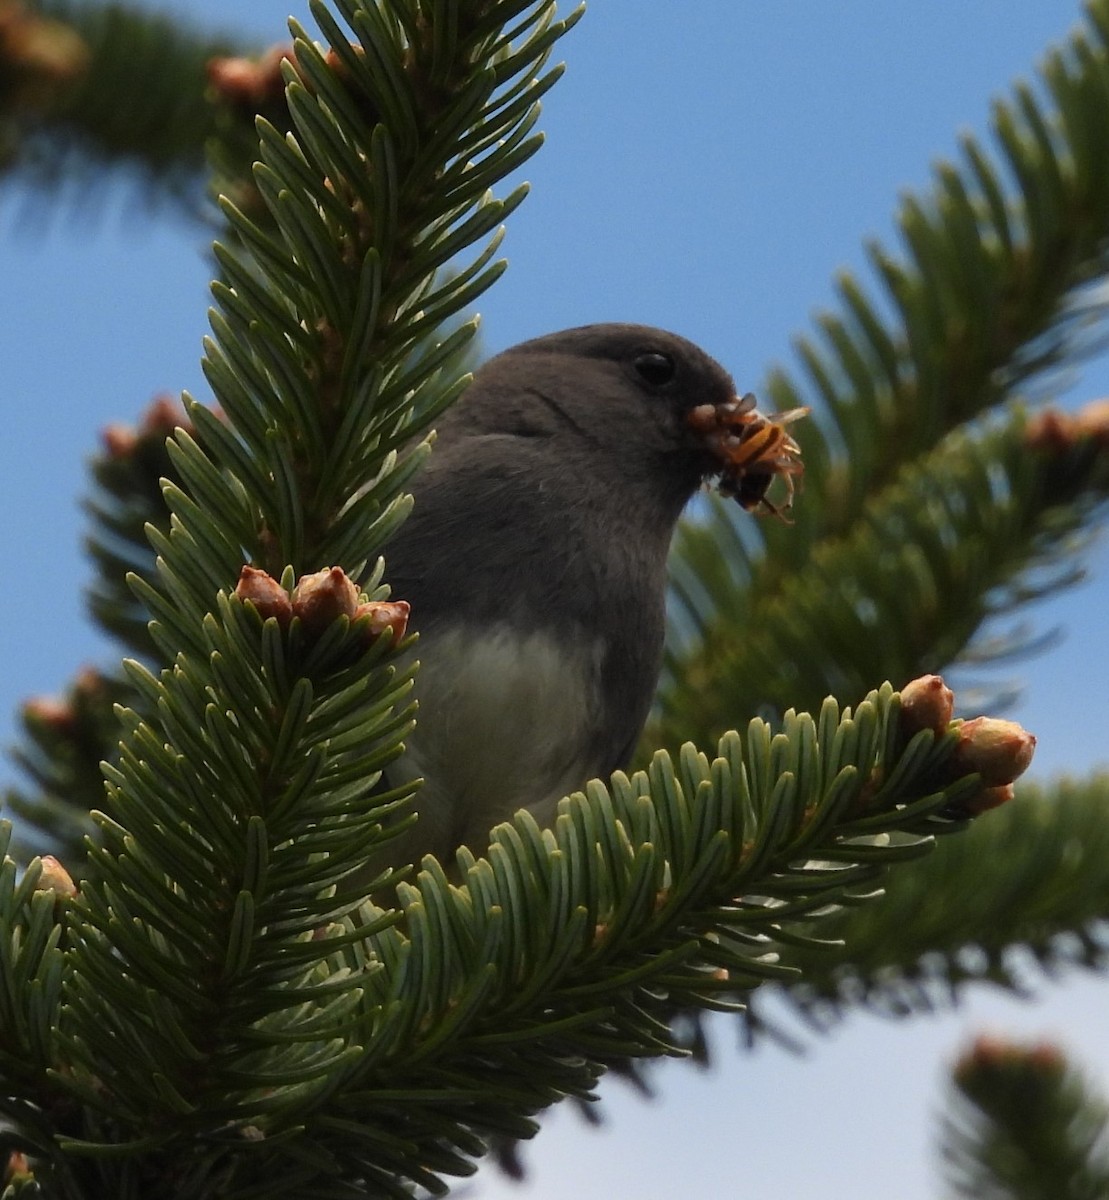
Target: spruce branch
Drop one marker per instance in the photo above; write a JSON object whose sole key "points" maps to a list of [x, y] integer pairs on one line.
{"points": [[128, 503], [128, 479], [997, 285], [570, 949], [65, 741], [952, 545], [1024, 1125], [211, 943], [286, 1008], [137, 95], [316, 358], [31, 928], [234, 1019], [1025, 893], [216, 880]]}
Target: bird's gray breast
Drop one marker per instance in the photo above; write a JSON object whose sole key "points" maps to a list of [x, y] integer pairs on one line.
{"points": [[507, 719]]}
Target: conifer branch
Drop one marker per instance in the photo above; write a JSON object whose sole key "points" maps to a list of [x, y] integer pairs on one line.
{"points": [[566, 950], [949, 546], [135, 93], [1025, 1126], [1025, 893], [223, 1012], [65, 741], [997, 285]]}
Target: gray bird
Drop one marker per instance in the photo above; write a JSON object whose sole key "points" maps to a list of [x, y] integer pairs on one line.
{"points": [[535, 564]]}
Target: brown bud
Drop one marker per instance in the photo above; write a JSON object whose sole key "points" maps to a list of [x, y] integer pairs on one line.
{"points": [[54, 714], [55, 878], [391, 615], [119, 440], [18, 1168], [38, 55], [337, 65], [999, 751], [266, 594], [987, 798], [1051, 431], [324, 597], [926, 703], [250, 82], [989, 1054], [89, 684], [1047, 1058], [161, 417], [986, 1051], [1092, 421]]}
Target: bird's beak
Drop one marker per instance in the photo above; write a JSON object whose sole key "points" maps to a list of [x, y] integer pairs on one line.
{"points": [[750, 448]]}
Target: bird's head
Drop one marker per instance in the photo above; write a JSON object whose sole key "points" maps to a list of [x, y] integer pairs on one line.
{"points": [[648, 407]]}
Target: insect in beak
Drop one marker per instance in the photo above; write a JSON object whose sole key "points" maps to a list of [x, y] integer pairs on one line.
{"points": [[752, 449]]}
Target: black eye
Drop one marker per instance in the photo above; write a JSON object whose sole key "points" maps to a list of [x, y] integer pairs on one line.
{"points": [[656, 368]]}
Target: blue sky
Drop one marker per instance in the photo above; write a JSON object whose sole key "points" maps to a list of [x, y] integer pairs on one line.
{"points": [[710, 166]]}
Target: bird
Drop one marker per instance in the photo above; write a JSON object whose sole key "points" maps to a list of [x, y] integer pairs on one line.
{"points": [[534, 561]]}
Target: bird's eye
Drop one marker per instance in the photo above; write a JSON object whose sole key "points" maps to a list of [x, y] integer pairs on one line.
{"points": [[655, 368]]}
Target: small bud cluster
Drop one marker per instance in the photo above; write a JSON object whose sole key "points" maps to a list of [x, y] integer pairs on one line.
{"points": [[255, 84], [39, 57], [989, 1054], [320, 599], [17, 1170], [1056, 432], [247, 87], [1019, 1085], [69, 717], [162, 416], [998, 751], [250, 83]]}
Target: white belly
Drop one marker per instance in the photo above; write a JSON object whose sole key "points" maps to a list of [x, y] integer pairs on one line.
{"points": [[504, 723]]}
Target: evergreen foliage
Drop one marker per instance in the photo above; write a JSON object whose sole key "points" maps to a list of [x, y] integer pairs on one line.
{"points": [[218, 1009], [1025, 1126], [996, 285], [133, 93], [932, 933]]}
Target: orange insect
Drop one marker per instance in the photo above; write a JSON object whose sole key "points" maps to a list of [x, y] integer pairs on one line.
{"points": [[754, 450]]}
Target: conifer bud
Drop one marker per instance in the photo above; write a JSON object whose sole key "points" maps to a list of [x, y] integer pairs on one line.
{"points": [[55, 878], [119, 440], [266, 594], [391, 615], [89, 684], [18, 1168], [50, 713], [992, 1056], [39, 56], [323, 597], [999, 751], [157, 422], [987, 798], [250, 83], [1092, 421], [162, 416], [1051, 432], [926, 703]]}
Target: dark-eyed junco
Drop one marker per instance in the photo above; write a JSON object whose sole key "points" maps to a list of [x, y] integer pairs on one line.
{"points": [[535, 564]]}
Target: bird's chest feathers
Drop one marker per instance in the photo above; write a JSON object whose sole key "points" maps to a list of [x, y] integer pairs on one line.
{"points": [[498, 711]]}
